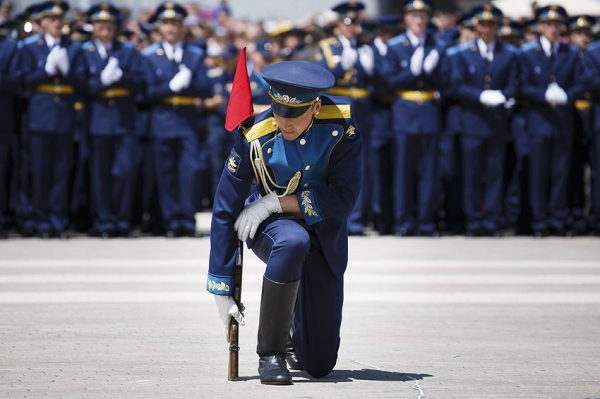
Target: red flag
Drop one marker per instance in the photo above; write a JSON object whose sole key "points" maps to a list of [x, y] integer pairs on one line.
{"points": [[240, 102]]}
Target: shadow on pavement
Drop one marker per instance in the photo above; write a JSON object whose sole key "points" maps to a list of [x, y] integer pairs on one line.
{"points": [[363, 375]]}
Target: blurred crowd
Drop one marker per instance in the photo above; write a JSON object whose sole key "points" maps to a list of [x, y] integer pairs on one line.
{"points": [[113, 124]]}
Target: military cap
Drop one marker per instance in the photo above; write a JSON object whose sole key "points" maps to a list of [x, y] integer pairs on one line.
{"points": [[168, 10], [581, 22], [551, 13], [388, 22], [7, 27], [32, 12], [466, 20], [487, 13], [417, 5], [510, 28], [103, 12], [530, 26], [54, 8], [295, 86], [349, 11], [264, 47], [81, 34]]}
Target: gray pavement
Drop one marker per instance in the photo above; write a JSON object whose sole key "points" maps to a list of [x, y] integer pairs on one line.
{"points": [[423, 318]]}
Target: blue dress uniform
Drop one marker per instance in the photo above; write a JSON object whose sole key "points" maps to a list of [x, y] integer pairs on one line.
{"points": [[592, 66], [352, 81], [580, 25], [9, 83], [50, 124], [174, 124], [305, 253], [112, 124], [417, 121], [550, 125], [485, 125]]}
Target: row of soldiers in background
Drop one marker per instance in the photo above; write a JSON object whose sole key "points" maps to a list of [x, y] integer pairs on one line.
{"points": [[440, 154], [474, 128]]}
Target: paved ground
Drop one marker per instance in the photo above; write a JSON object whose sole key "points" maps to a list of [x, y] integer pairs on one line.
{"points": [[423, 318]]}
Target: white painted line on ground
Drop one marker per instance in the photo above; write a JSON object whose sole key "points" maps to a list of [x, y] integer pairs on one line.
{"points": [[350, 278], [251, 260], [473, 298]]}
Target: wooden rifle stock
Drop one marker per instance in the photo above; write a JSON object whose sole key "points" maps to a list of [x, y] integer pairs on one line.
{"points": [[234, 328]]}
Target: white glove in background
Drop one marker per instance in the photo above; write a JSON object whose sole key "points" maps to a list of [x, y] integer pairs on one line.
{"points": [[181, 80], [556, 94], [254, 214], [52, 61], [62, 62], [349, 57], [416, 61], [111, 72], [492, 98], [365, 56], [431, 61], [227, 309]]}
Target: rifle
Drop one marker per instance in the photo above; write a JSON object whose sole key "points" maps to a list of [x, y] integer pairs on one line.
{"points": [[233, 333]]}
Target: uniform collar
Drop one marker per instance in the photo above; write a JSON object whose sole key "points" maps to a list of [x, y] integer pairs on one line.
{"points": [[549, 47], [414, 40], [51, 41], [483, 48], [173, 52]]}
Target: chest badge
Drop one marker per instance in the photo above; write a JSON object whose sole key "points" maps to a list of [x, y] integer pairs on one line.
{"points": [[351, 132]]}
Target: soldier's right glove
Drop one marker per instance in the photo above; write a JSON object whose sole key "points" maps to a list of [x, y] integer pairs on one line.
{"points": [[254, 214], [52, 61], [416, 61], [492, 98], [227, 309], [181, 80], [365, 55], [111, 72], [556, 94], [62, 61], [349, 57]]}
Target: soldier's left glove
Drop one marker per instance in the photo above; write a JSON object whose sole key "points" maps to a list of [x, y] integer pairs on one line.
{"points": [[111, 72], [181, 80], [62, 61], [254, 214], [349, 56], [431, 61], [365, 56]]}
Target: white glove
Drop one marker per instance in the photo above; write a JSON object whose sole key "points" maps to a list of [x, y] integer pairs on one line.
{"points": [[431, 61], [181, 80], [62, 63], [227, 309], [365, 56], [416, 61], [254, 214], [555, 94], [52, 61], [492, 98], [111, 72], [510, 103], [349, 57]]}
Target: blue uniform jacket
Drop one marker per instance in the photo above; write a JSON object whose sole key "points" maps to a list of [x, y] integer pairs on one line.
{"points": [[592, 66], [412, 117], [329, 57], [9, 83], [473, 75], [260, 88], [49, 112], [453, 115], [328, 155], [166, 120], [219, 79], [537, 72], [112, 110]]}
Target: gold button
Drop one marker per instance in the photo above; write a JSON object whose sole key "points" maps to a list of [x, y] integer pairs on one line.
{"points": [[586, 94], [552, 105], [335, 133], [487, 87], [553, 78], [274, 123], [56, 81], [111, 103], [306, 185], [302, 142], [270, 150], [420, 83], [307, 167], [56, 99], [488, 78]]}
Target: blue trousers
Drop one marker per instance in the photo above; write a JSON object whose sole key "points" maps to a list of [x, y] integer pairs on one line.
{"points": [[5, 146], [415, 181], [176, 165], [357, 219], [113, 169], [220, 142], [292, 252], [483, 169], [549, 175], [595, 164], [51, 161], [382, 163]]}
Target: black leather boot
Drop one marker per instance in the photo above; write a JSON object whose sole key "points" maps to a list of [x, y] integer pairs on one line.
{"points": [[276, 309], [290, 355]]}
